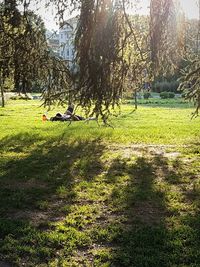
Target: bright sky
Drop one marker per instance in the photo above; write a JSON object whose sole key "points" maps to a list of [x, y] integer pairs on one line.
{"points": [[189, 7]]}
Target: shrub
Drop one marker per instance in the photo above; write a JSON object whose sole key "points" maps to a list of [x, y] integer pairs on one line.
{"points": [[171, 94], [146, 95], [15, 97], [21, 97], [166, 86], [165, 95]]}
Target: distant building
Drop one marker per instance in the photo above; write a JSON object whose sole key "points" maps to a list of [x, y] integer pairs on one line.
{"points": [[66, 39], [53, 42]]}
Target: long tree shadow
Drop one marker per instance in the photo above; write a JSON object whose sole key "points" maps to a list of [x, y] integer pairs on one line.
{"points": [[39, 174], [37, 180], [143, 241], [148, 215], [153, 233]]}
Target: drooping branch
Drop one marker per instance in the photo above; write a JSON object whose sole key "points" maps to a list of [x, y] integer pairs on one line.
{"points": [[161, 14], [100, 60]]}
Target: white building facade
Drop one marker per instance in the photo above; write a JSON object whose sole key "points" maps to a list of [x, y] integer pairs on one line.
{"points": [[53, 42], [66, 39]]}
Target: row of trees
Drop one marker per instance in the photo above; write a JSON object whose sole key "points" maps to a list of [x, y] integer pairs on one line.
{"points": [[25, 59], [21, 39], [114, 51]]}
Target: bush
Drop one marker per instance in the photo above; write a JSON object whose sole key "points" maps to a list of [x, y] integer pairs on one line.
{"points": [[146, 95], [21, 97], [171, 94], [15, 97], [166, 86], [165, 95]]}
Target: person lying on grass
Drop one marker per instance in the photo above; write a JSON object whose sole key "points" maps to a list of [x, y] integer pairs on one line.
{"points": [[67, 116]]}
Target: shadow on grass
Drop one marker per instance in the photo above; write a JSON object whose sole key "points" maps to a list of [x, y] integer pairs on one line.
{"points": [[34, 169], [147, 220], [153, 234], [37, 181]]}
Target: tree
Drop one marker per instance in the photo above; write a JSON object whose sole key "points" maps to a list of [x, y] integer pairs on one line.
{"points": [[102, 43], [138, 54], [29, 44], [24, 53], [190, 80], [103, 53], [9, 20]]}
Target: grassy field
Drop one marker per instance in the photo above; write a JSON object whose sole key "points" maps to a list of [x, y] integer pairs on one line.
{"points": [[85, 195]]}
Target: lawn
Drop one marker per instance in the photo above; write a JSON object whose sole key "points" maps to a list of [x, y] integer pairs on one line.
{"points": [[90, 195]]}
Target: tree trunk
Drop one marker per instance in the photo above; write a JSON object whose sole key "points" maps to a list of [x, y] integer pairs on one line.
{"points": [[23, 90], [2, 92], [135, 98], [17, 81]]}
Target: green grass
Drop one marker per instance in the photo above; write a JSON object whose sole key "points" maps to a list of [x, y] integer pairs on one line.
{"points": [[84, 195], [149, 124]]}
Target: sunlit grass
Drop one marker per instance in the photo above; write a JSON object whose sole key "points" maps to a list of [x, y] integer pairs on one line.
{"points": [[89, 195], [149, 124]]}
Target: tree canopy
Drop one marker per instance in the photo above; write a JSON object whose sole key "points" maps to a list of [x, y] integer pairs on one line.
{"points": [[109, 50], [24, 54]]}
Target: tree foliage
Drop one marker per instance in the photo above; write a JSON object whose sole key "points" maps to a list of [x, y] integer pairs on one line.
{"points": [[110, 50], [190, 81], [100, 44], [24, 54]]}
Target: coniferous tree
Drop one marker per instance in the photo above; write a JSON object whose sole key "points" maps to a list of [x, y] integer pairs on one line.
{"points": [[102, 41], [25, 56]]}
